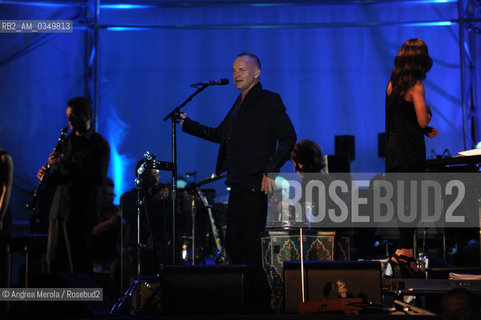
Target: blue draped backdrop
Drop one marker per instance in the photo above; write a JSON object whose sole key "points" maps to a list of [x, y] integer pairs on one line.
{"points": [[330, 64]]}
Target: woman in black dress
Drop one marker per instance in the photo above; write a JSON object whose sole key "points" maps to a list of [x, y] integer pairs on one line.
{"points": [[407, 119]]}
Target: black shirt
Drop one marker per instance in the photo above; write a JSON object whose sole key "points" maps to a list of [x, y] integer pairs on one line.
{"points": [[255, 137], [79, 178]]}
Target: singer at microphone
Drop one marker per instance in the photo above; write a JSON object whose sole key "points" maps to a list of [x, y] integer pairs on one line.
{"points": [[219, 82], [255, 138]]}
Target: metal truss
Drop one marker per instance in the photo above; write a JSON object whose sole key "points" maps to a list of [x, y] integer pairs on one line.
{"points": [[469, 28], [469, 19]]}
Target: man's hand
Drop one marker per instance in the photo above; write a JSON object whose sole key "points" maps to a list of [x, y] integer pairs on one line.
{"points": [[268, 185], [180, 117], [55, 157], [41, 172], [433, 133], [430, 132]]}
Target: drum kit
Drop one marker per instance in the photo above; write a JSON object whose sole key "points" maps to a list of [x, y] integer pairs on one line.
{"points": [[197, 231], [199, 240]]}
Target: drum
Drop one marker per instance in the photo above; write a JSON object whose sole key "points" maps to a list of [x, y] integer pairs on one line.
{"points": [[284, 245], [197, 219], [159, 165]]}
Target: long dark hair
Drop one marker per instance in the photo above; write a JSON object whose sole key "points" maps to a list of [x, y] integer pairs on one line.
{"points": [[411, 64]]}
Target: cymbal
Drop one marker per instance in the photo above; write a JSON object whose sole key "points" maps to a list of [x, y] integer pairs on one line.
{"points": [[209, 180]]}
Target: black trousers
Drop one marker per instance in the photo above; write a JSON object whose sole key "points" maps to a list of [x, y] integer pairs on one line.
{"points": [[247, 212], [69, 247]]}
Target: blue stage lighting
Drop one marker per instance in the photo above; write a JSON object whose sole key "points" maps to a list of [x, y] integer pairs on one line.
{"points": [[434, 1], [125, 6], [41, 4], [118, 165], [431, 24], [133, 28]]}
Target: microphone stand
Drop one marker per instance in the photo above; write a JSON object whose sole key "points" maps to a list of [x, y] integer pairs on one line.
{"points": [[172, 116], [138, 283]]}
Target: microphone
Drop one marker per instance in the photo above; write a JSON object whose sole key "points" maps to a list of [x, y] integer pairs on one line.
{"points": [[220, 82], [141, 169]]}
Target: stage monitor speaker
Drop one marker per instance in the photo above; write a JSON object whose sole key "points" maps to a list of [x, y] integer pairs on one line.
{"points": [[203, 290], [381, 145], [68, 309], [339, 164], [329, 279], [345, 146]]}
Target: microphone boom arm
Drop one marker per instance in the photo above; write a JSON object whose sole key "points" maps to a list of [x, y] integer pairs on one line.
{"points": [[172, 114]]}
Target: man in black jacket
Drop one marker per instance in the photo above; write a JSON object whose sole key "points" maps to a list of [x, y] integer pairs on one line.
{"points": [[79, 168], [256, 138]]}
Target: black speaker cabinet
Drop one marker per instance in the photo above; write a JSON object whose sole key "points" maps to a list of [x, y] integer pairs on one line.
{"points": [[68, 309], [203, 289], [339, 164], [329, 279], [345, 146]]}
